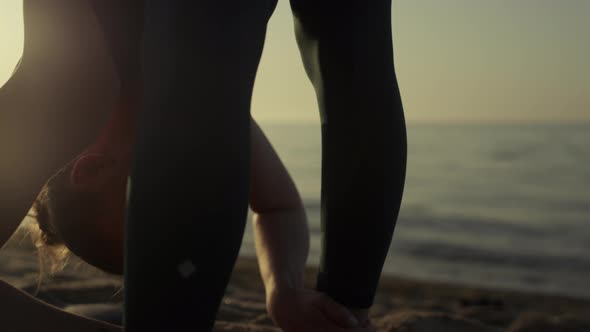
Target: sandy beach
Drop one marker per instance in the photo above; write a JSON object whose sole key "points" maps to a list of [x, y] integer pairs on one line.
{"points": [[401, 304]]}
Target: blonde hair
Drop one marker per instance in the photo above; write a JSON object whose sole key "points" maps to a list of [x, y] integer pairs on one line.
{"points": [[57, 200]]}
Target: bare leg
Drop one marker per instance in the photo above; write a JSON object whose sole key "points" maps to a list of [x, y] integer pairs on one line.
{"points": [[347, 50]]}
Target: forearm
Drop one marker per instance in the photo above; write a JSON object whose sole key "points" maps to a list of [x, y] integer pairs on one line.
{"points": [[20, 182], [33, 147], [282, 247], [22, 174], [22, 312]]}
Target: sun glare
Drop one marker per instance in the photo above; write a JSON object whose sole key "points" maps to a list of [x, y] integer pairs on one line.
{"points": [[11, 37]]}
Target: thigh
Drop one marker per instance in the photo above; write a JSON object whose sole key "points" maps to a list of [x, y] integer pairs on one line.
{"points": [[318, 15], [122, 25]]}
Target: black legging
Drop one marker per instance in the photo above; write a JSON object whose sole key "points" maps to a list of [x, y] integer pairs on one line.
{"points": [[347, 50], [190, 183]]}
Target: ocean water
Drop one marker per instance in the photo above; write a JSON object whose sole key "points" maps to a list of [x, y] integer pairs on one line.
{"points": [[503, 206]]}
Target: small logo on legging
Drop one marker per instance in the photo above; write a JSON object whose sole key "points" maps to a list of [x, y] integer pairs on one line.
{"points": [[186, 268]]}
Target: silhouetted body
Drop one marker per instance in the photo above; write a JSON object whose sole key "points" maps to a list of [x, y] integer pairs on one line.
{"points": [[199, 63]]}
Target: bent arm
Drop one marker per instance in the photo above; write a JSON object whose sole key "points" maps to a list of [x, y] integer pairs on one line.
{"points": [[29, 154], [54, 104], [20, 181], [279, 220], [23, 312], [38, 135]]}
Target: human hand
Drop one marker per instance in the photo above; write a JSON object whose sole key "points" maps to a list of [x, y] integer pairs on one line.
{"points": [[363, 317], [297, 310]]}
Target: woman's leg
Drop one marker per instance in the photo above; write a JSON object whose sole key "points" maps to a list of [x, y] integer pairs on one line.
{"points": [[190, 173], [122, 24], [347, 50]]}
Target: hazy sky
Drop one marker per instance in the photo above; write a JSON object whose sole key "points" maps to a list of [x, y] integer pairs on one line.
{"points": [[457, 60]]}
